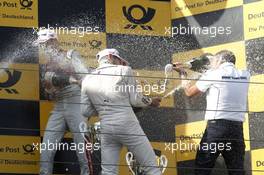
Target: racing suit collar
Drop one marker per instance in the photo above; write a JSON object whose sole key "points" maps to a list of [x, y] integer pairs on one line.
{"points": [[104, 65]]}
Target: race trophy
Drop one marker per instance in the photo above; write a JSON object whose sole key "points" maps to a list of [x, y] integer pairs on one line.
{"points": [[136, 169]]}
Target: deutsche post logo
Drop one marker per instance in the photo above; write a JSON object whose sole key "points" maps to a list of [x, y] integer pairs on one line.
{"points": [[13, 78], [146, 17], [26, 4], [95, 44], [28, 149]]}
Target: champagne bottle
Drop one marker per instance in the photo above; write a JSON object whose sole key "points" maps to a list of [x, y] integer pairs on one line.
{"points": [[198, 64]]}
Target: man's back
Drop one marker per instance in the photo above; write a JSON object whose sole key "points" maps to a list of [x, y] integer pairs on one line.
{"points": [[227, 94], [107, 89]]}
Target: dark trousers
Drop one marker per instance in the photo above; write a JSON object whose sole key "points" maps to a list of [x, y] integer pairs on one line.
{"points": [[221, 132]]}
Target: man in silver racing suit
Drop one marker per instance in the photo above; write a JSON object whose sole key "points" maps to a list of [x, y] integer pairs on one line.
{"points": [[61, 82], [112, 94]]}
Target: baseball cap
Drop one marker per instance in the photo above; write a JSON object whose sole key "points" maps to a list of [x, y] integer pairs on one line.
{"points": [[45, 35], [106, 52]]}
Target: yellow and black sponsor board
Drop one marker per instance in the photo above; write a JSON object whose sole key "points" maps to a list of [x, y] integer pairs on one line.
{"points": [[209, 29], [137, 17], [188, 137], [88, 45], [255, 55], [45, 108], [42, 68], [16, 45], [122, 161], [19, 81], [142, 52], [183, 8], [19, 155], [160, 149], [66, 161], [19, 13], [19, 117], [159, 123], [238, 48], [89, 14], [254, 20], [155, 56], [256, 95], [257, 161], [256, 130]]}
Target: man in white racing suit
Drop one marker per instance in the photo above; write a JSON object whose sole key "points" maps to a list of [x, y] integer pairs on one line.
{"points": [[112, 95], [61, 82]]}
